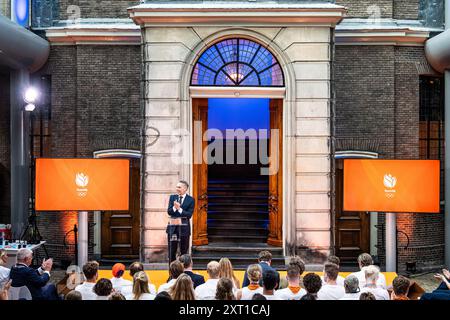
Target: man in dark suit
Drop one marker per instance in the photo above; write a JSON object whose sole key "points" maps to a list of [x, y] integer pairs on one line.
{"points": [[264, 260], [180, 210], [197, 279], [35, 280]]}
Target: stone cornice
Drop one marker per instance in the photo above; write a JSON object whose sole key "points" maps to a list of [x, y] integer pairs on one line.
{"points": [[242, 14]]}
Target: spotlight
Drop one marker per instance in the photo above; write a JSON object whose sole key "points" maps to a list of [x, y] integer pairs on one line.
{"points": [[31, 95], [30, 107]]}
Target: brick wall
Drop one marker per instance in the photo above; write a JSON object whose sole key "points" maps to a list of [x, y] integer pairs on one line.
{"points": [[367, 8], [377, 108], [406, 9], [95, 105], [96, 8], [5, 155]]}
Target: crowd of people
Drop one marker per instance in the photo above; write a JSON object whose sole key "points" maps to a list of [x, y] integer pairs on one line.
{"points": [[261, 282]]}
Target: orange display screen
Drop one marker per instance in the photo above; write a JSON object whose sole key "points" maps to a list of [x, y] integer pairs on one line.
{"points": [[82, 184], [391, 185]]}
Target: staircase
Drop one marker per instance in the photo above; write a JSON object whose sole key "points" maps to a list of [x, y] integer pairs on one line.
{"points": [[238, 221]]}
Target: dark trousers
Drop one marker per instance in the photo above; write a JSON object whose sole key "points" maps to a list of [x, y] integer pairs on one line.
{"points": [[48, 292], [173, 246], [441, 293]]}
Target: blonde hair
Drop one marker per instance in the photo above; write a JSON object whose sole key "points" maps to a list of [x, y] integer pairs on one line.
{"points": [[371, 273], [254, 273], [3, 254], [140, 284], [183, 289], [213, 269], [226, 271]]}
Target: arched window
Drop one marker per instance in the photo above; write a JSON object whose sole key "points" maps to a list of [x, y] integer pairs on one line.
{"points": [[237, 62]]}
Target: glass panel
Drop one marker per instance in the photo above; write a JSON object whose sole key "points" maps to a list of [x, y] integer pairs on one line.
{"points": [[218, 65]]}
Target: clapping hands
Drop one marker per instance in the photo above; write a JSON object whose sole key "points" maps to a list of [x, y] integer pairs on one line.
{"points": [[4, 291], [47, 264]]}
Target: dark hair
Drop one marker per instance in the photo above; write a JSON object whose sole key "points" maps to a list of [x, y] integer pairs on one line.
{"points": [[367, 296], [312, 283], [365, 259], [163, 295], [264, 256], [400, 285], [116, 296], [270, 279], [293, 272], [175, 269], [224, 289], [135, 267], [73, 295], [90, 269], [334, 259], [103, 287], [185, 183], [258, 296], [308, 296], [298, 262], [186, 260], [331, 270]]}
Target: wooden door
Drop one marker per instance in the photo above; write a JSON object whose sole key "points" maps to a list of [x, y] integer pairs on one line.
{"points": [[275, 237], [120, 229], [200, 171], [352, 229]]}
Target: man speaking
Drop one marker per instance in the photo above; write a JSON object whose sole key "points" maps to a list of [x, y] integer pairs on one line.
{"points": [[181, 207]]}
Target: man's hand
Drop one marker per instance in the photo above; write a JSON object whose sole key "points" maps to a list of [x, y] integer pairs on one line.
{"points": [[440, 277], [47, 264], [176, 205]]}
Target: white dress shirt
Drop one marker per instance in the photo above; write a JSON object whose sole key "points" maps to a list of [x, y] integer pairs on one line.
{"points": [[379, 293], [128, 290], [181, 203], [120, 283], [362, 279], [207, 291], [351, 296], [87, 291], [339, 281], [144, 296], [287, 294], [248, 294], [4, 276], [166, 286], [331, 292]]}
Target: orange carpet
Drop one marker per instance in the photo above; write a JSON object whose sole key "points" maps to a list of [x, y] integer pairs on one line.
{"points": [[158, 277]]}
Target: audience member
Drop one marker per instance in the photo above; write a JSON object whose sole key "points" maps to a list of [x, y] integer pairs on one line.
{"points": [[351, 286], [254, 274], [331, 290], [37, 281], [372, 275], [270, 284], [367, 296], [365, 260], [400, 287], [312, 284], [116, 296], [141, 290], [175, 269], [183, 289], [258, 296], [90, 271], [297, 262], [118, 282], [103, 288], [443, 291], [265, 261], [224, 290], [163, 295], [4, 272], [226, 271], [207, 291], [197, 279], [336, 261], [136, 267], [73, 295], [293, 291]]}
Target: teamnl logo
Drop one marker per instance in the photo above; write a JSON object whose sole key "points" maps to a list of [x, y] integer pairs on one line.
{"points": [[389, 182], [82, 181]]}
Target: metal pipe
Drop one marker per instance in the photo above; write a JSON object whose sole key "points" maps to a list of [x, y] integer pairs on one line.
{"points": [[20, 48], [447, 163]]}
